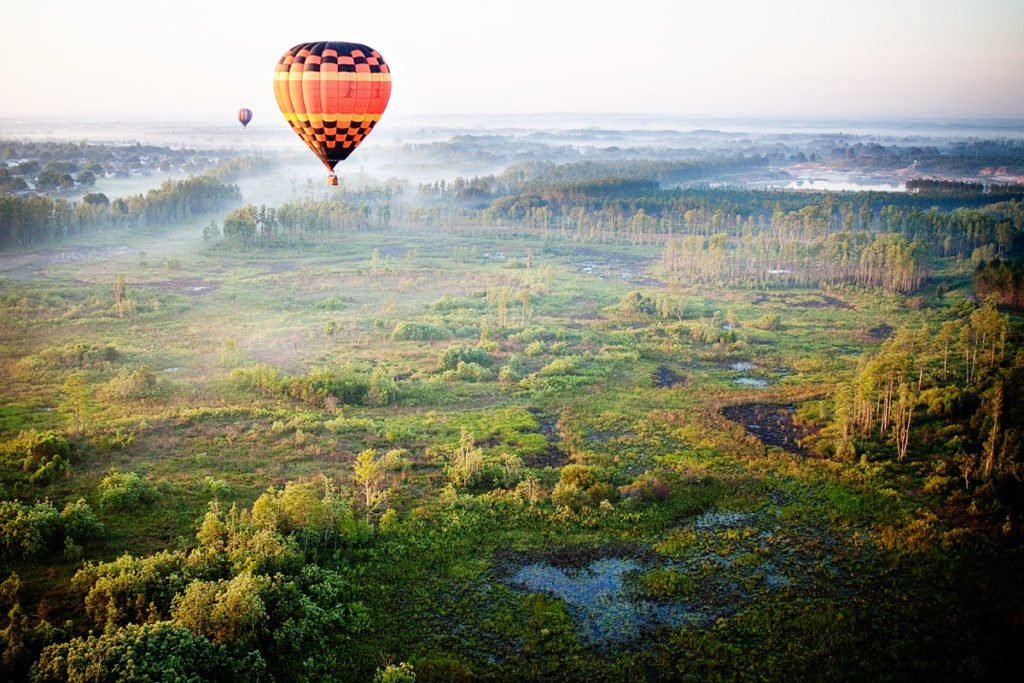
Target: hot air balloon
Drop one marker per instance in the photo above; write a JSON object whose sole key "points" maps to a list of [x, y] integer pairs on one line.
{"points": [[332, 94], [244, 116]]}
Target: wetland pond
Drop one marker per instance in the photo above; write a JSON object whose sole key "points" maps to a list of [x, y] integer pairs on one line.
{"points": [[715, 564], [599, 601]]}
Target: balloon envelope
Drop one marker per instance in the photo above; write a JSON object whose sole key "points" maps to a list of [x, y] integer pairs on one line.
{"points": [[332, 94], [244, 116]]}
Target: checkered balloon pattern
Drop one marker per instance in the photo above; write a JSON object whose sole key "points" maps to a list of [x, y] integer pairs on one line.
{"points": [[332, 94]]}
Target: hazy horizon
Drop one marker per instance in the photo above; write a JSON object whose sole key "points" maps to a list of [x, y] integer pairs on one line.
{"points": [[910, 60]]}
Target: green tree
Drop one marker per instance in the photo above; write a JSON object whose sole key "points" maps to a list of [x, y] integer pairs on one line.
{"points": [[466, 462], [159, 651], [369, 476], [119, 295], [76, 400]]}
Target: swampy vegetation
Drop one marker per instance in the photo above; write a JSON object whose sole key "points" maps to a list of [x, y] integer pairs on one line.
{"points": [[550, 429]]}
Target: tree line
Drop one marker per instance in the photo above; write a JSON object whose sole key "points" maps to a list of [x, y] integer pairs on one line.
{"points": [[35, 219], [951, 395], [728, 235]]}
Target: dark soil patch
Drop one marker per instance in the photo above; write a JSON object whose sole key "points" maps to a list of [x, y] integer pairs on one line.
{"points": [[771, 423], [666, 378], [803, 301], [554, 456], [625, 267], [830, 302], [881, 332]]}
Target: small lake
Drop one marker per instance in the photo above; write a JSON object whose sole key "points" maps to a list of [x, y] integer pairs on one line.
{"points": [[844, 186]]}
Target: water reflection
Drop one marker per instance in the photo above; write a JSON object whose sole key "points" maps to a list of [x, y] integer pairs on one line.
{"points": [[598, 601]]}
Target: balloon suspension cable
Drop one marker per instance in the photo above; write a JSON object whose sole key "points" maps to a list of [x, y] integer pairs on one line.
{"points": [[332, 179]]}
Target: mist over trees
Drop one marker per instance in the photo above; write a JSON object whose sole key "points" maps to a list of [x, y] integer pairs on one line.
{"points": [[606, 410], [27, 221]]}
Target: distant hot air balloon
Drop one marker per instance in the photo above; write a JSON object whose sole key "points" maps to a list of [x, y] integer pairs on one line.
{"points": [[332, 94], [244, 116]]}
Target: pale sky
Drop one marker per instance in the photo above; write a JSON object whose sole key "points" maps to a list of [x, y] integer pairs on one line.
{"points": [[203, 59]]}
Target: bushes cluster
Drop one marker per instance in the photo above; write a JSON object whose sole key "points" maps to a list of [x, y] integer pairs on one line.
{"points": [[420, 331], [126, 491], [240, 604], [320, 386], [579, 487], [36, 530], [43, 456], [131, 385], [451, 357]]}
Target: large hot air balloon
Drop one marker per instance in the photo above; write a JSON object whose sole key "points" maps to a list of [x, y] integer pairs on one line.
{"points": [[332, 94], [244, 116]]}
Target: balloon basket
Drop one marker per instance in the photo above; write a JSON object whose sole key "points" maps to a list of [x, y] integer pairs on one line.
{"points": [[332, 179]]}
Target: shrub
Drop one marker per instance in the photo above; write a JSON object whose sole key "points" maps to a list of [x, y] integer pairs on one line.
{"points": [[646, 489], [468, 372], [314, 517], [450, 358], [395, 673], [317, 385], [44, 455], [261, 378], [27, 530], [636, 305], [80, 522], [151, 652], [769, 321], [448, 303], [569, 495], [382, 389], [130, 385], [77, 356], [534, 348], [415, 331], [218, 488], [512, 371], [125, 491], [578, 488], [395, 460], [565, 365]]}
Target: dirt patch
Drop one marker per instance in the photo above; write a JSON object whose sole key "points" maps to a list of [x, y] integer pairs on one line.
{"points": [[881, 332], [554, 456], [870, 335], [192, 286], [803, 301], [624, 267], [25, 265], [771, 423], [666, 378]]}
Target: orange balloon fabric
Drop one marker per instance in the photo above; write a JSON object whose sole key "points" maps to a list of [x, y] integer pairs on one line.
{"points": [[332, 94]]}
